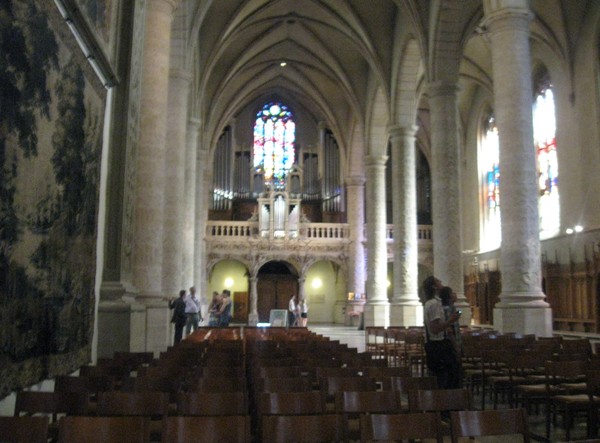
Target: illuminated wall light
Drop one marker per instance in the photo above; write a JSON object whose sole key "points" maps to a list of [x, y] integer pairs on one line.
{"points": [[317, 283], [228, 282], [569, 231], [578, 228], [283, 64]]}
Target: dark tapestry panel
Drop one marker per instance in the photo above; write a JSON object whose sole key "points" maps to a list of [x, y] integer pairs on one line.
{"points": [[50, 144]]}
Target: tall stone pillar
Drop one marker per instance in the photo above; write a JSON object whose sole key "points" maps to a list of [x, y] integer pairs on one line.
{"points": [[522, 307], [189, 218], [149, 185], [253, 316], [445, 178], [355, 192], [377, 308], [175, 179], [200, 217], [406, 308]]}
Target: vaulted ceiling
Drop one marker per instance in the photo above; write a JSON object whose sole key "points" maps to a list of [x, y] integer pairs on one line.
{"points": [[345, 59]]}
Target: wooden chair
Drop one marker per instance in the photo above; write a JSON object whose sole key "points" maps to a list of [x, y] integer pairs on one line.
{"points": [[104, 429], [154, 405], [394, 427], [24, 429], [218, 384], [405, 384], [133, 403], [439, 400], [489, 423], [212, 403], [91, 385], [51, 404], [303, 428], [223, 371], [329, 386], [230, 429], [351, 404], [290, 403], [593, 392], [283, 384]]}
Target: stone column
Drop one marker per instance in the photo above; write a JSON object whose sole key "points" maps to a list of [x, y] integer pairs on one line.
{"points": [[200, 217], [445, 181], [406, 308], [147, 251], [377, 308], [522, 307], [355, 191], [175, 180], [301, 291], [189, 219], [253, 316]]}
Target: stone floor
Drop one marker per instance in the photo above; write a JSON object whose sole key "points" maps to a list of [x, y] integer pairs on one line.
{"points": [[355, 338]]}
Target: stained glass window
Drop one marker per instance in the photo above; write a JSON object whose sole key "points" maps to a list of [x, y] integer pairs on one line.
{"points": [[544, 135], [274, 139], [490, 169]]}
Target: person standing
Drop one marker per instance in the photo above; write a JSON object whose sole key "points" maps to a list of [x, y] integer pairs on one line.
{"points": [[292, 310], [225, 311], [441, 356], [303, 312], [179, 318], [192, 311], [213, 309]]}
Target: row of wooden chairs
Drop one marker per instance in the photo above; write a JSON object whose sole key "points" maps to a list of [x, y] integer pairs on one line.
{"points": [[276, 428]]}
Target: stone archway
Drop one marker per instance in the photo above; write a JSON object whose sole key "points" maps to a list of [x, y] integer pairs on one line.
{"points": [[277, 282]]}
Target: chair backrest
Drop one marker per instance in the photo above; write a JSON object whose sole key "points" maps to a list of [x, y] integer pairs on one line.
{"points": [[89, 384], [230, 429], [34, 402], [368, 402], [303, 428], [323, 372], [222, 371], [494, 422], [283, 384], [290, 403], [278, 371], [104, 429], [219, 384], [24, 429], [212, 403], [405, 384], [133, 403], [331, 385], [438, 400], [420, 425]]}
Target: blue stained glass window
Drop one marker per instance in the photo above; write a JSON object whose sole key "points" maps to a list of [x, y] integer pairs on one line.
{"points": [[489, 161], [544, 134], [274, 140]]}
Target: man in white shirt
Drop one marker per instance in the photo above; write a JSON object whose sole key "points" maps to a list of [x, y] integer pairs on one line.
{"points": [[441, 356], [192, 311]]}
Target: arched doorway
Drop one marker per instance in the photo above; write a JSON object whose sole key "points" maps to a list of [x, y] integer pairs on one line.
{"points": [[277, 282]]}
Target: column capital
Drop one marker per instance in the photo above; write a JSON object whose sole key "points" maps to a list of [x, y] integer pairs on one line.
{"points": [[376, 160], [441, 88], [355, 180], [397, 131], [509, 19], [167, 6]]}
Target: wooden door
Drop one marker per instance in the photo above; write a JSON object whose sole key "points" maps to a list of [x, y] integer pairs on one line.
{"points": [[274, 292], [240, 307]]}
